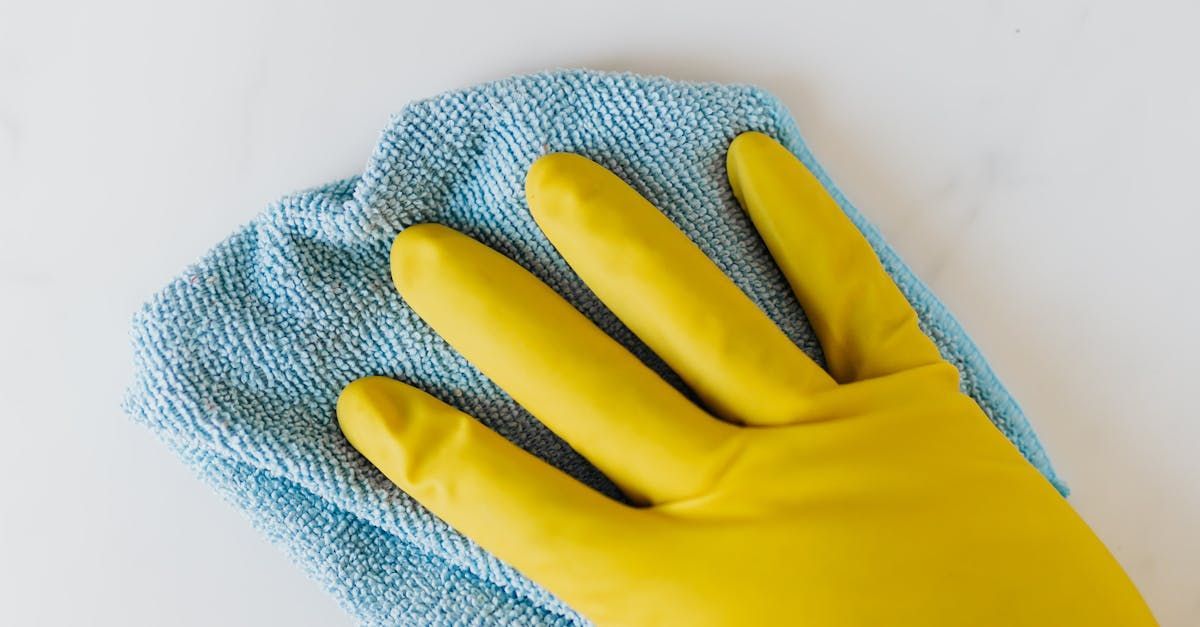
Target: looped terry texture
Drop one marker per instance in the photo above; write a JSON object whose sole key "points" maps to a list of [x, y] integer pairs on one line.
{"points": [[239, 361]]}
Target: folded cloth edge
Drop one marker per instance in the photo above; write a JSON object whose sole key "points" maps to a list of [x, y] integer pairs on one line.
{"points": [[979, 379]]}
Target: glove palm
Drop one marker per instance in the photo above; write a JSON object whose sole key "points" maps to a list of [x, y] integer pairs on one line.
{"points": [[871, 492]]}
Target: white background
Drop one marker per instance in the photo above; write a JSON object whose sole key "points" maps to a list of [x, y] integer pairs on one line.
{"points": [[1034, 161]]}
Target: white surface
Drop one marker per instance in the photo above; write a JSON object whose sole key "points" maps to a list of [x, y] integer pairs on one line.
{"points": [[1033, 161]]}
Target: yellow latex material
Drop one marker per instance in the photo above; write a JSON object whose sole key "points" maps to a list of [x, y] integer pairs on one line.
{"points": [[874, 494]]}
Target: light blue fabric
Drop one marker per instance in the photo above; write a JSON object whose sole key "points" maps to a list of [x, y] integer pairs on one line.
{"points": [[239, 361]]}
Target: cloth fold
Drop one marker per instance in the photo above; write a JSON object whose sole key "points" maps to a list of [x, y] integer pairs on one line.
{"points": [[239, 361]]}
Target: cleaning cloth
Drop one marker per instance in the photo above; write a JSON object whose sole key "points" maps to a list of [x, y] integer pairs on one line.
{"points": [[240, 360]]}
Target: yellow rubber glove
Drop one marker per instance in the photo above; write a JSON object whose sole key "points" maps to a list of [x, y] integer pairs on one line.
{"points": [[872, 494]]}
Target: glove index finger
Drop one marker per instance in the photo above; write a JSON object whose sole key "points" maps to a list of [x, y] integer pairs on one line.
{"points": [[529, 514]]}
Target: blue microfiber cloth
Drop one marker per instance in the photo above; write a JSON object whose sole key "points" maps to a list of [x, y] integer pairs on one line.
{"points": [[240, 360]]}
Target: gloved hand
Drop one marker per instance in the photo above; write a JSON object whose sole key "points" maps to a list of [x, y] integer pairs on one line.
{"points": [[874, 493]]}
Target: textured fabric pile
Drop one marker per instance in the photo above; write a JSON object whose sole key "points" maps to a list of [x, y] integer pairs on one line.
{"points": [[239, 361]]}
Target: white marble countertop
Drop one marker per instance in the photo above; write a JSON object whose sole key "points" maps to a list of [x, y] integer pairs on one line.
{"points": [[1033, 161]]}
